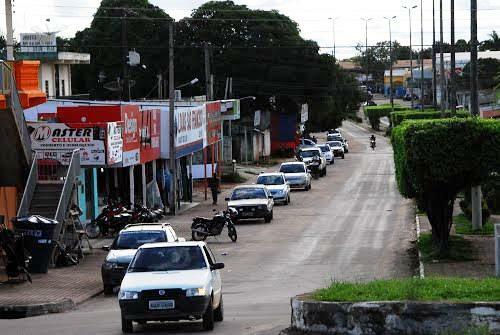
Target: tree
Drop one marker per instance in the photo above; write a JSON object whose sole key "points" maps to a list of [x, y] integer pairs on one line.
{"points": [[492, 44], [488, 68], [435, 174]]}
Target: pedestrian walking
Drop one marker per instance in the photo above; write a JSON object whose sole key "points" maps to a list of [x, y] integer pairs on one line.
{"points": [[213, 183], [314, 139]]}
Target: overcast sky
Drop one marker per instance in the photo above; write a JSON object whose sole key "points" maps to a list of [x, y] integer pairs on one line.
{"points": [[69, 16]]}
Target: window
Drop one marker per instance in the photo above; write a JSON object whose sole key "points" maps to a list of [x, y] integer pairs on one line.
{"points": [[270, 180], [47, 88], [63, 90], [211, 259], [134, 239], [292, 168], [168, 259], [248, 193]]}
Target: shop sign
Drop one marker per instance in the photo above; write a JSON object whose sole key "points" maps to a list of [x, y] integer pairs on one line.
{"points": [[38, 42], [304, 113], [191, 126], [213, 122], [114, 143], [58, 138], [230, 110]]}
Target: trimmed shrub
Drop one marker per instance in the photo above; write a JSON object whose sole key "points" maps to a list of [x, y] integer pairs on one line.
{"points": [[398, 117], [436, 159], [374, 113]]}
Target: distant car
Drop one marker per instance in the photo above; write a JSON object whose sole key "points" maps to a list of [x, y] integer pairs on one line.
{"points": [[297, 175], [327, 152], [172, 282], [277, 185], [306, 155], [340, 138], [371, 103], [337, 148], [124, 247], [407, 97], [252, 202]]}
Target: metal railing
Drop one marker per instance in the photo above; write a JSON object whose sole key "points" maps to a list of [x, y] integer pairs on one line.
{"points": [[29, 190], [67, 191], [9, 89]]}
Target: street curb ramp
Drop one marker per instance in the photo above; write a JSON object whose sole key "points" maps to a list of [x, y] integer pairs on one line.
{"points": [[391, 318], [25, 311]]}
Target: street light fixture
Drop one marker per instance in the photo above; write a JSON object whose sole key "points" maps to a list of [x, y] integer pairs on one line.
{"points": [[333, 31], [191, 82], [389, 19], [411, 53], [249, 97], [366, 19]]}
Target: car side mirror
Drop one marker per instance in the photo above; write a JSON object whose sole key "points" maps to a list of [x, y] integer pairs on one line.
{"points": [[308, 171], [217, 266], [227, 199], [106, 248], [271, 197]]}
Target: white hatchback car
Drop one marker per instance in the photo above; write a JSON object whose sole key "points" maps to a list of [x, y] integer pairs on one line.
{"points": [[327, 152], [296, 174], [172, 282], [277, 185]]}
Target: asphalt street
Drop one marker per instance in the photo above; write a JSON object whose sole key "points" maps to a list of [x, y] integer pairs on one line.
{"points": [[353, 225]]}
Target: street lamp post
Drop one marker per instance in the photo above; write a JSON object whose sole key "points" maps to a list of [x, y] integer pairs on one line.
{"points": [[422, 86], [333, 31], [441, 60], [366, 19], [389, 19], [411, 53]]}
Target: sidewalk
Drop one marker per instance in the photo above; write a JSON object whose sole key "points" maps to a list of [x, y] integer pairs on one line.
{"points": [[59, 290]]}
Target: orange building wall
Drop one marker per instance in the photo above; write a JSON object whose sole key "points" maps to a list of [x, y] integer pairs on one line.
{"points": [[8, 203]]}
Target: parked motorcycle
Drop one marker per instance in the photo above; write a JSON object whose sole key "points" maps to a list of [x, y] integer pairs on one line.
{"points": [[202, 227], [113, 218], [372, 144]]}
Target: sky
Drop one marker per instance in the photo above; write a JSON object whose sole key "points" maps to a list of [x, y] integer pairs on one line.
{"points": [[70, 16]]}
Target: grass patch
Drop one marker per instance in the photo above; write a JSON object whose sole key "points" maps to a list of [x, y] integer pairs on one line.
{"points": [[428, 289], [464, 227], [233, 178], [459, 249]]}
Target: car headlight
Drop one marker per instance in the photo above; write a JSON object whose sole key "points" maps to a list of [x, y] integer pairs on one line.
{"points": [[128, 295], [109, 265], [196, 292]]}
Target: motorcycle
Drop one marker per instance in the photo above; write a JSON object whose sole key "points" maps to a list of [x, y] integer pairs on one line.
{"points": [[202, 227], [113, 218], [372, 144], [314, 167]]}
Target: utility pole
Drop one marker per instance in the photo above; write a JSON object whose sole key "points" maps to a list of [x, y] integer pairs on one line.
{"points": [[334, 43], [411, 54], [453, 88], [422, 77], [208, 74], [391, 60], [441, 60], [434, 70], [126, 83], [474, 87], [366, 48], [171, 111], [10, 31]]}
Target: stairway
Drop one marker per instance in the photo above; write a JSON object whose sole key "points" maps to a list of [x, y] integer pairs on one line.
{"points": [[45, 200]]}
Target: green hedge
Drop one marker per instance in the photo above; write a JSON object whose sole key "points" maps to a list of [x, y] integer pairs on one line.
{"points": [[374, 113], [398, 117], [436, 159]]}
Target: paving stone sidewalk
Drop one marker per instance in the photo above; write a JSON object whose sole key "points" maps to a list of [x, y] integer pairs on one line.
{"points": [[59, 290]]}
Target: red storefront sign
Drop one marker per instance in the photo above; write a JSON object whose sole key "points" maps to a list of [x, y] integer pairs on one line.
{"points": [[150, 135], [213, 122]]}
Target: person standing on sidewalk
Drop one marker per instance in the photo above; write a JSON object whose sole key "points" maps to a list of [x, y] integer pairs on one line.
{"points": [[213, 183]]}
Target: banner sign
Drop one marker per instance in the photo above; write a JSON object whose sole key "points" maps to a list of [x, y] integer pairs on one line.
{"points": [[114, 143], [191, 124], [213, 122], [230, 109], [304, 113], [38, 42], [59, 139]]}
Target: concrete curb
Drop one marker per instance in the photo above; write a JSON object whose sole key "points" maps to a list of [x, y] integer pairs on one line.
{"points": [[420, 263], [30, 310], [393, 317]]}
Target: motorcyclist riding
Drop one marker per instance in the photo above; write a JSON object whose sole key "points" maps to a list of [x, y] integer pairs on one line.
{"points": [[372, 138], [372, 142]]}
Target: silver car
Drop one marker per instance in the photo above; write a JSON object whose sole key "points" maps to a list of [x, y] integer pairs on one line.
{"points": [[297, 175], [277, 185]]}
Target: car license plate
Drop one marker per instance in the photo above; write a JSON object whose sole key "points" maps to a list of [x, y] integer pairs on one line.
{"points": [[161, 304], [247, 214]]}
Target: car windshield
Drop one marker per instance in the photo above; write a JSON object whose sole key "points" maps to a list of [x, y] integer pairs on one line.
{"points": [[168, 259], [134, 239], [324, 148], [292, 168], [248, 193], [270, 180], [309, 153], [334, 137], [335, 144]]}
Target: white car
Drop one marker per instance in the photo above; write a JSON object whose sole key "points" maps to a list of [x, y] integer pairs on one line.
{"points": [[327, 152], [277, 185], [337, 148], [306, 155], [252, 202], [172, 282], [297, 175], [305, 143]]}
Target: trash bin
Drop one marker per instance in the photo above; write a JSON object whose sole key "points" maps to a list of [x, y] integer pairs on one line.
{"points": [[38, 232]]}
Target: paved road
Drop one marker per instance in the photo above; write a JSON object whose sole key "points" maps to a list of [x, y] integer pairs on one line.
{"points": [[352, 225]]}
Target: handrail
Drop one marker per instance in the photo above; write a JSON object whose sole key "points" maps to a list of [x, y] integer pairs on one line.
{"points": [[17, 110], [29, 190], [67, 190]]}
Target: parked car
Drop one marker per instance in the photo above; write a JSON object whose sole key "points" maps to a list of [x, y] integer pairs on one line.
{"points": [[124, 247], [297, 175], [327, 152], [340, 138], [407, 97], [277, 185], [172, 282], [371, 103], [305, 143], [337, 148], [306, 155], [252, 202]]}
